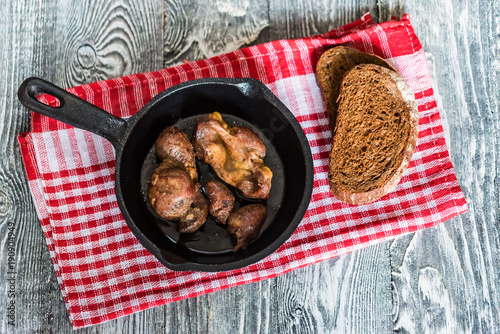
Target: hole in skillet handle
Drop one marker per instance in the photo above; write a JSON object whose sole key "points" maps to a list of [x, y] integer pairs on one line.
{"points": [[42, 89], [72, 110], [32, 89], [46, 99]]}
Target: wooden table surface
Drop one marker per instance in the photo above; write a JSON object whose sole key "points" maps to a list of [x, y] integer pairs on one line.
{"points": [[445, 279]]}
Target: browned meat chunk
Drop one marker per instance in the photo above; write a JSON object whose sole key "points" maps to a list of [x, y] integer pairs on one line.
{"points": [[235, 153], [173, 187], [195, 216], [171, 191], [174, 144], [221, 200], [245, 223]]}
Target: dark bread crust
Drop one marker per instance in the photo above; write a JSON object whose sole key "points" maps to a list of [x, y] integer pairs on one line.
{"points": [[331, 68], [398, 89]]}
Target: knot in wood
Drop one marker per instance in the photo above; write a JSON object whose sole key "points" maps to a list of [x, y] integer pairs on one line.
{"points": [[86, 56], [298, 311]]}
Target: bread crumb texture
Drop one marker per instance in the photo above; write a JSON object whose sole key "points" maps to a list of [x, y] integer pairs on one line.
{"points": [[371, 132]]}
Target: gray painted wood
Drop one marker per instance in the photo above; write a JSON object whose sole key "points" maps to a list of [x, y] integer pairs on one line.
{"points": [[442, 280], [446, 279], [34, 281]]}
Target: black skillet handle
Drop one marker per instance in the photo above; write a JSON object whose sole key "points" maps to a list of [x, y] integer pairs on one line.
{"points": [[72, 110]]}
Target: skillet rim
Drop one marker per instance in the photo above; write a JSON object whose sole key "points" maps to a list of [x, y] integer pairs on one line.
{"points": [[286, 233]]}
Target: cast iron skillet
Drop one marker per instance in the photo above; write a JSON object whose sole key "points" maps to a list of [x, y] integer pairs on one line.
{"points": [[245, 101]]}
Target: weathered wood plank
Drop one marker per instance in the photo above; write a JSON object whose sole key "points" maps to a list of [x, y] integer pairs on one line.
{"points": [[288, 20], [202, 29], [350, 294], [107, 39], [32, 275], [195, 30], [112, 39], [446, 279], [299, 18], [54, 40]]}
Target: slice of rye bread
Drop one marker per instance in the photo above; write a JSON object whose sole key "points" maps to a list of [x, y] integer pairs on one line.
{"points": [[331, 67], [375, 134]]}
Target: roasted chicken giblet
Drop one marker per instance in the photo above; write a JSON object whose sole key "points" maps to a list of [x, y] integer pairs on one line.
{"points": [[220, 200], [235, 153], [245, 224], [173, 143], [173, 187], [171, 190], [195, 216]]}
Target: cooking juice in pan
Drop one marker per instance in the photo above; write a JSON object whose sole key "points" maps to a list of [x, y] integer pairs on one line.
{"points": [[212, 237]]}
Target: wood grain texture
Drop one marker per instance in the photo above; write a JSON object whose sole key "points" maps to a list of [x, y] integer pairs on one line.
{"points": [[446, 279], [107, 39], [201, 29], [349, 294], [296, 304], [299, 18], [442, 280], [33, 297], [43, 38]]}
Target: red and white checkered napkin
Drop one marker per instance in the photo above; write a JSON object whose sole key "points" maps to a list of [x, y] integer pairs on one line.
{"points": [[103, 270]]}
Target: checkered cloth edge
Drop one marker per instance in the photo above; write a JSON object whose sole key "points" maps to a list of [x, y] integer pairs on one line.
{"points": [[102, 269]]}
